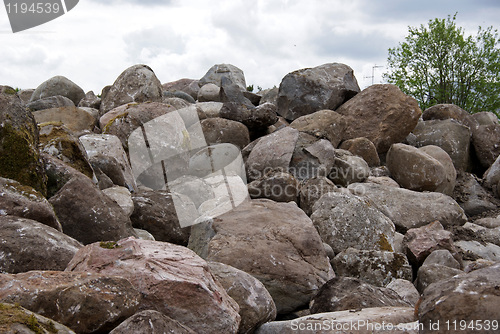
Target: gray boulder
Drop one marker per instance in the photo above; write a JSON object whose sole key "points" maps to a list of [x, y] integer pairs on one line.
{"points": [[209, 92], [432, 273], [485, 139], [28, 245], [363, 148], [311, 191], [324, 124], [151, 322], [136, 84], [275, 185], [473, 197], [219, 130], [345, 220], [217, 72], [90, 101], [58, 85], [348, 168], [381, 113], [308, 90], [49, 103], [405, 289]]}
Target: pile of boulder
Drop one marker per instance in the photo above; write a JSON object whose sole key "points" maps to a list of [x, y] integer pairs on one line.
{"points": [[342, 211]]}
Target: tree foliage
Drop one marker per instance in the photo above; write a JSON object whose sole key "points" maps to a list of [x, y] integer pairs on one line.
{"points": [[439, 64]]}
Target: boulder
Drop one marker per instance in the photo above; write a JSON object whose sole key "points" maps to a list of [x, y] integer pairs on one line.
{"points": [[209, 93], [272, 151], [151, 322], [365, 321], [19, 155], [154, 211], [269, 96], [311, 157], [440, 155], [122, 197], [123, 120], [442, 257], [308, 90], [287, 256], [348, 168], [50, 103], [255, 118], [378, 268], [189, 86], [324, 124], [85, 302], [90, 101], [58, 85], [25, 95], [363, 148], [475, 293], [28, 245], [414, 169], [347, 293], [275, 185], [172, 280], [484, 118], [446, 111], [58, 173], [311, 191], [77, 120], [452, 136], [136, 84], [106, 151], [405, 289], [421, 242], [492, 177], [26, 202], [432, 273], [485, 139], [472, 197], [345, 220], [88, 215], [256, 304], [217, 72], [219, 130], [472, 250], [410, 209], [16, 319], [58, 141], [381, 113]]}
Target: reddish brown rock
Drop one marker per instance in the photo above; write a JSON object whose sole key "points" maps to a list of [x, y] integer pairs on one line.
{"points": [[325, 124]]}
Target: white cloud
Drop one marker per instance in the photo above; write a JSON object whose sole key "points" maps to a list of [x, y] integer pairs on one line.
{"points": [[98, 39]]}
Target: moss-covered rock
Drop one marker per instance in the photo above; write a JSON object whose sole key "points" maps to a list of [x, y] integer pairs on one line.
{"points": [[19, 155], [58, 141]]}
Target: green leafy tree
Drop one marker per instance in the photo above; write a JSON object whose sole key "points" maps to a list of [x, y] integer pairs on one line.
{"points": [[439, 64]]}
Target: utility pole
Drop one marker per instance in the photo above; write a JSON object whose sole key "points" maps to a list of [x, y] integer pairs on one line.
{"points": [[373, 72]]}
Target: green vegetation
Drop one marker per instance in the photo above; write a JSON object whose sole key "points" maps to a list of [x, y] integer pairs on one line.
{"points": [[109, 245], [14, 314], [438, 63], [250, 88]]}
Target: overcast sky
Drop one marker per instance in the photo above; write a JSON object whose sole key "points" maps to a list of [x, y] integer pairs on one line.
{"points": [[97, 40]]}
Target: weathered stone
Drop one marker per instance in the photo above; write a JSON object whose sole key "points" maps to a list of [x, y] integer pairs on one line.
{"points": [[484, 118], [440, 155], [345, 220], [179, 94], [256, 119], [16, 319], [90, 101], [472, 250], [325, 124], [312, 190], [421, 242], [485, 139], [151, 322], [77, 120], [287, 256], [471, 196], [50, 103], [446, 111], [432, 273], [58, 85], [383, 181], [450, 135], [220, 130], [154, 211], [406, 290], [189, 86], [272, 151], [256, 304], [172, 279], [347, 293], [58, 173], [442, 257], [375, 267], [28, 245], [363, 148], [26, 202], [308, 90], [492, 177], [217, 72], [136, 84], [414, 169], [25, 95], [275, 185], [58, 141], [337, 322], [409, 209], [19, 156], [88, 215], [85, 302], [311, 157], [209, 93], [348, 168], [269, 96], [122, 121], [381, 113], [466, 297], [122, 197]]}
